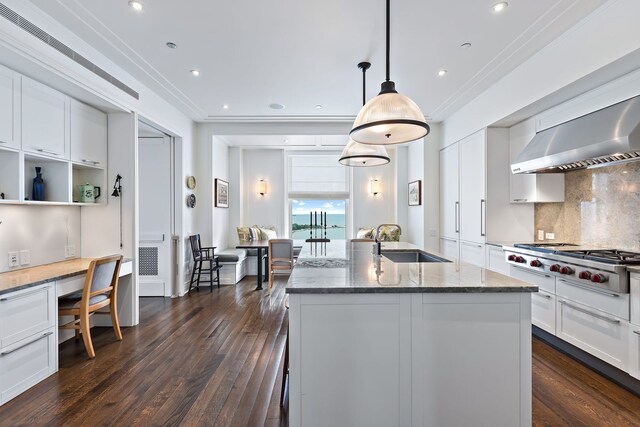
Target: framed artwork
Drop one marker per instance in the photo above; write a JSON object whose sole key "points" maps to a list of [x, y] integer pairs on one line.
{"points": [[222, 193], [415, 193]]}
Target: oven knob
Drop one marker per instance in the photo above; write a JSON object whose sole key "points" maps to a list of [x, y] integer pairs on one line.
{"points": [[521, 260], [599, 278], [585, 275], [535, 263], [555, 268], [512, 258], [566, 270]]}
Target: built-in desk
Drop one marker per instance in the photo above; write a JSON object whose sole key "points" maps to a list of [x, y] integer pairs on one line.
{"points": [[29, 319]]}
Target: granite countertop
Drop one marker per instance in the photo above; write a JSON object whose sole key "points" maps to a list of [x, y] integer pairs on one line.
{"points": [[32, 276], [365, 273]]}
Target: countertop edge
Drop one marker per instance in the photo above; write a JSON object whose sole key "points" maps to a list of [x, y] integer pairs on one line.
{"points": [[425, 290]]}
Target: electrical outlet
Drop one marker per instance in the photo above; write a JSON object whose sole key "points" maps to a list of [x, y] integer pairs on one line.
{"points": [[540, 235], [14, 261], [25, 257], [551, 236], [70, 251]]}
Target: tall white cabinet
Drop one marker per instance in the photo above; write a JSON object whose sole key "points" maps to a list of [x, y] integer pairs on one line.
{"points": [[449, 201], [9, 108]]}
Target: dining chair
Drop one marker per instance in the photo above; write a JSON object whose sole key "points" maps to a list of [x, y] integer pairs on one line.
{"points": [[201, 256], [100, 290], [280, 257]]}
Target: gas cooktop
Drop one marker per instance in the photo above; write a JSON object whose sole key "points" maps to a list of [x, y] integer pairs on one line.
{"points": [[609, 256], [543, 247]]}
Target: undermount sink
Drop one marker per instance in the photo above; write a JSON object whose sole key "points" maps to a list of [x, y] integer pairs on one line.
{"points": [[412, 256]]}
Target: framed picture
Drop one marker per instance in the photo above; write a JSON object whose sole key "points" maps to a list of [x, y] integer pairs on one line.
{"points": [[415, 193], [222, 194]]}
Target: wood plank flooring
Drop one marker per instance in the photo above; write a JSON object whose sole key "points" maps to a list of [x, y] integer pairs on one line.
{"points": [[215, 359]]}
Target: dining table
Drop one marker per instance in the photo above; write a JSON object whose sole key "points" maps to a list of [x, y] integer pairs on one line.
{"points": [[259, 246]]}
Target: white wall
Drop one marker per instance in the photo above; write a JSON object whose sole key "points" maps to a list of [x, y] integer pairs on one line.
{"points": [[43, 230], [236, 190], [369, 210], [267, 210], [431, 187], [415, 214]]}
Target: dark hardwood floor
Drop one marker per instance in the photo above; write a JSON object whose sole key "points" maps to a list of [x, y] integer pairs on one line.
{"points": [[215, 359]]}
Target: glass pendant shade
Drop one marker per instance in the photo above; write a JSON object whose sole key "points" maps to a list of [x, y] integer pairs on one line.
{"points": [[355, 154], [389, 118]]}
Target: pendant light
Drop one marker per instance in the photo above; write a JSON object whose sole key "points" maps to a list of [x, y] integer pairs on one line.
{"points": [[389, 118], [355, 154]]}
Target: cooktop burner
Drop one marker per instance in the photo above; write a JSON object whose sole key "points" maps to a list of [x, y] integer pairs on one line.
{"points": [[609, 256], [543, 247]]}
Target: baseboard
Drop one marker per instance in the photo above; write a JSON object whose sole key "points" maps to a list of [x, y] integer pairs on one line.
{"points": [[616, 375]]}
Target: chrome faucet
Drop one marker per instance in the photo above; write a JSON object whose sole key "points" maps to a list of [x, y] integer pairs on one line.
{"points": [[378, 245]]}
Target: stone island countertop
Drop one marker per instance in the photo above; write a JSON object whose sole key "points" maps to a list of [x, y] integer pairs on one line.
{"points": [[363, 272]]}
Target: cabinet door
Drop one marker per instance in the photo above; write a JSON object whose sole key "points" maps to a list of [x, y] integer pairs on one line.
{"points": [[450, 248], [9, 113], [26, 312], [595, 332], [472, 253], [472, 188], [88, 135], [634, 351], [543, 311], [496, 260], [635, 301], [449, 192], [44, 115]]}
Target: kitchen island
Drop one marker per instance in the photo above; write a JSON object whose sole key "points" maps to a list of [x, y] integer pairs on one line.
{"points": [[384, 343]]}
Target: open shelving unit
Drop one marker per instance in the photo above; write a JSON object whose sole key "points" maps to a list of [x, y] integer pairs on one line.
{"points": [[10, 176], [82, 174], [56, 179]]}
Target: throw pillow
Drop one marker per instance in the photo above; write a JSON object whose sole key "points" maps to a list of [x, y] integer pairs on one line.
{"points": [[365, 233], [268, 234], [389, 234], [255, 233], [244, 235]]}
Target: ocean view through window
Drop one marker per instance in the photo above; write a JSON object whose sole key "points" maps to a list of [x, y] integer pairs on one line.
{"points": [[300, 218]]}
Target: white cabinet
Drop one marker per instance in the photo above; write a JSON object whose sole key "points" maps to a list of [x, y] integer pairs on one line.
{"points": [[44, 120], [28, 351], [473, 188], [450, 248], [88, 135], [9, 108], [596, 332], [495, 259], [543, 311], [634, 351], [635, 298], [531, 188], [449, 190], [542, 280], [472, 253]]}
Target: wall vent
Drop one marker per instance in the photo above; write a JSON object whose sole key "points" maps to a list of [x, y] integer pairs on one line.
{"points": [[148, 261], [64, 49]]}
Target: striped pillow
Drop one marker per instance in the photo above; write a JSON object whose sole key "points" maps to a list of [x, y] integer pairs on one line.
{"points": [[255, 233]]}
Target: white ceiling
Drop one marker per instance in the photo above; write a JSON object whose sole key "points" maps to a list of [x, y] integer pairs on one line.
{"points": [[336, 142], [301, 53]]}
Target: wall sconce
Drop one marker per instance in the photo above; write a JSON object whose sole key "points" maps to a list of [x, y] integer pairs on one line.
{"points": [[374, 186], [262, 187]]}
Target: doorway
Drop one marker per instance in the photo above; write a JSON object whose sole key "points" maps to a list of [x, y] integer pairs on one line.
{"points": [[156, 208]]}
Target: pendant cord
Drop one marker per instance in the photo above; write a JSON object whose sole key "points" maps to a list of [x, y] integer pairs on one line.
{"points": [[364, 86], [388, 37]]}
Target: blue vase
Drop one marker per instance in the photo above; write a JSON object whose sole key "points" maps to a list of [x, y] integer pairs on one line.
{"points": [[38, 185]]}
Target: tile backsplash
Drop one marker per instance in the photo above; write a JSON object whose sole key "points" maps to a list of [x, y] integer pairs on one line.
{"points": [[601, 207]]}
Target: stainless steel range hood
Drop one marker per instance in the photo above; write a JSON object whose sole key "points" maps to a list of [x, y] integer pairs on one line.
{"points": [[604, 137]]}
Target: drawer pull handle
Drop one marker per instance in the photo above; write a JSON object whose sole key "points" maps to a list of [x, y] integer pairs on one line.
{"points": [[46, 334], [636, 332], [448, 239], [532, 272], [90, 161], [471, 245], [42, 150], [610, 294], [591, 313], [543, 295]]}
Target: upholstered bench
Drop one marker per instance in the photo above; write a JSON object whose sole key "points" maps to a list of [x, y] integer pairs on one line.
{"points": [[234, 265]]}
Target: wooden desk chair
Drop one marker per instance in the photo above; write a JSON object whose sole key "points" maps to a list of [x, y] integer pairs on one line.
{"points": [[100, 290], [280, 257], [200, 256]]}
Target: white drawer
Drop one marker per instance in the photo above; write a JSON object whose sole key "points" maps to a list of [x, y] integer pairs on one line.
{"points": [[595, 332], [69, 285], [635, 299], [542, 280], [449, 248], [26, 363], [634, 351], [26, 312], [609, 302], [543, 311], [472, 253], [496, 260]]}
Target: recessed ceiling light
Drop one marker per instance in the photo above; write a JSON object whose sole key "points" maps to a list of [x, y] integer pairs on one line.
{"points": [[172, 45], [318, 107], [195, 72], [276, 106], [442, 72], [499, 7], [225, 106], [136, 5], [465, 45]]}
